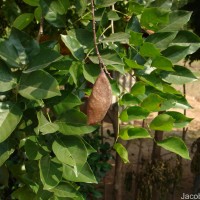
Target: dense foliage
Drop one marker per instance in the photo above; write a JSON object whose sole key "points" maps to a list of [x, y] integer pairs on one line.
{"points": [[44, 82]]}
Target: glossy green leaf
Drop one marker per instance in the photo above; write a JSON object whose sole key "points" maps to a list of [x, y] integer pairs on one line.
{"points": [[162, 122], [131, 132], [176, 145], [7, 80], [152, 102], [187, 39], [161, 40], [9, 54], [65, 190], [116, 90], [138, 88], [74, 46], [160, 62], [108, 59], [135, 8], [166, 4], [60, 6], [33, 86], [43, 59], [23, 20], [6, 149], [70, 150], [129, 100], [38, 14], [149, 50], [176, 53], [117, 37], [132, 64], [68, 101], [91, 72], [45, 126], [33, 150], [85, 175], [32, 2], [153, 80], [81, 7], [10, 116], [180, 119], [177, 19], [136, 38], [121, 150], [133, 113], [51, 14], [181, 75], [50, 172], [153, 18]]}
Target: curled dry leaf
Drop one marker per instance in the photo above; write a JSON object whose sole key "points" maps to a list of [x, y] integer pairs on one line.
{"points": [[99, 100]]}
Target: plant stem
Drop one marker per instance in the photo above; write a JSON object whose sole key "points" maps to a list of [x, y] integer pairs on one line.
{"points": [[40, 32], [101, 64]]}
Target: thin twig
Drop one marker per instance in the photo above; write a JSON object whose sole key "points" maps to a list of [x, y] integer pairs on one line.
{"points": [[101, 63], [40, 32]]}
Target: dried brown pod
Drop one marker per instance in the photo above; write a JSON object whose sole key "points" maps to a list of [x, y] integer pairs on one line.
{"points": [[99, 100]]}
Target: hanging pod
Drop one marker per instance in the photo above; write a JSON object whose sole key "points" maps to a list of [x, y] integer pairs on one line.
{"points": [[99, 100]]}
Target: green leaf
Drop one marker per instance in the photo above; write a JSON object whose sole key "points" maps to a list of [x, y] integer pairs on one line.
{"points": [[9, 54], [117, 37], [23, 193], [91, 72], [161, 40], [38, 14], [152, 103], [133, 113], [60, 6], [121, 150], [10, 116], [181, 75], [116, 90], [44, 126], [160, 62], [7, 80], [6, 149], [132, 64], [69, 101], [135, 38], [43, 59], [85, 175], [187, 39], [176, 53], [65, 190], [105, 3], [180, 119], [70, 150], [23, 20], [74, 46], [33, 150], [50, 172], [162, 122], [25, 46], [81, 7], [112, 15], [110, 58], [129, 100], [176, 145], [131, 132], [153, 80], [135, 8], [177, 19], [138, 88], [32, 2], [166, 4], [153, 18], [33, 86], [51, 14], [149, 50]]}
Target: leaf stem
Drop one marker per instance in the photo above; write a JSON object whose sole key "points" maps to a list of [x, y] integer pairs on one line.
{"points": [[41, 31]]}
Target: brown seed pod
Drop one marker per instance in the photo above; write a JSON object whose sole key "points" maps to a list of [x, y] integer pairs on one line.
{"points": [[99, 100]]}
